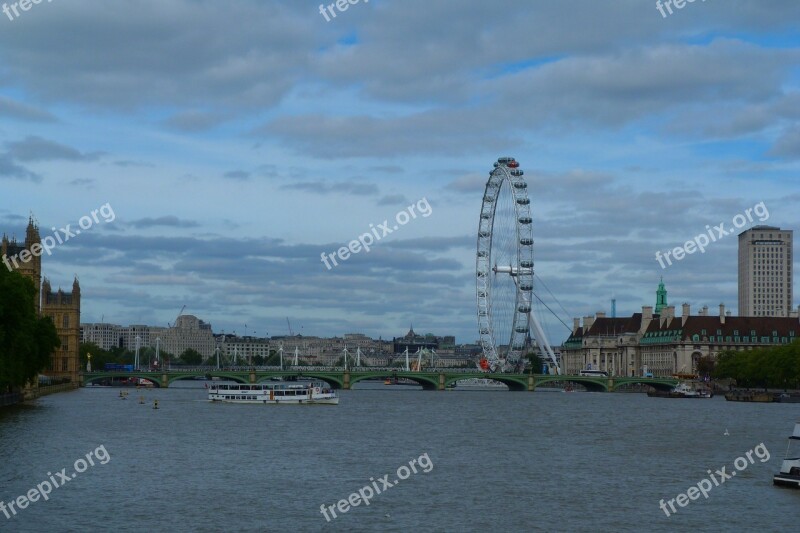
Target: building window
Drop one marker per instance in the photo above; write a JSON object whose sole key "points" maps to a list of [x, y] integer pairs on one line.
{"points": [[64, 364], [65, 321]]}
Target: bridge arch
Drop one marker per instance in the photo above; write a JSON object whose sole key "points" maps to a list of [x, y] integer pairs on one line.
{"points": [[591, 384], [331, 380], [238, 378], [662, 385], [426, 381], [86, 380], [515, 383]]}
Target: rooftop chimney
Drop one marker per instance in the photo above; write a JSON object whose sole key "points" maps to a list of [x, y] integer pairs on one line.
{"points": [[685, 312], [721, 313], [667, 314], [587, 323], [576, 323], [600, 314], [704, 312], [647, 317]]}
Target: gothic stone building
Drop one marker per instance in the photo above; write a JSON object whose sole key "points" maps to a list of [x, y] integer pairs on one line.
{"points": [[63, 308]]}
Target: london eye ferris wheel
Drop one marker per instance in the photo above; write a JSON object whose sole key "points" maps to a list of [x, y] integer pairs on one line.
{"points": [[504, 271]]}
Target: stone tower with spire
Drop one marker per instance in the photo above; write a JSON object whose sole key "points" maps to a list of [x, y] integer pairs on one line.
{"points": [[23, 257], [63, 308], [661, 297]]}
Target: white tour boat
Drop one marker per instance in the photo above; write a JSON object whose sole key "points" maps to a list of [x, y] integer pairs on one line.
{"points": [[274, 393], [789, 476]]}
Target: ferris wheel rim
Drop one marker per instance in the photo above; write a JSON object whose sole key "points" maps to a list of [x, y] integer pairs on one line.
{"points": [[505, 173]]}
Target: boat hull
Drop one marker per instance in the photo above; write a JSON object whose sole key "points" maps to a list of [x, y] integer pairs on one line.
{"points": [[668, 394], [786, 480], [267, 401], [273, 394]]}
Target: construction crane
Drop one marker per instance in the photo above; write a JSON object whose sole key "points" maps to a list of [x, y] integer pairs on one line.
{"points": [[291, 333], [179, 315]]}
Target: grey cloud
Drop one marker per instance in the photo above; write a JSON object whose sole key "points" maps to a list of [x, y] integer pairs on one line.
{"points": [[467, 184], [129, 164], [237, 175], [19, 111], [560, 96], [343, 187], [165, 221], [35, 148], [788, 144], [159, 54], [387, 169], [193, 121], [10, 169], [82, 182], [393, 199]]}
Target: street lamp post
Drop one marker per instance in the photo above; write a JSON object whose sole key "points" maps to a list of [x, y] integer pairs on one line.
{"points": [[136, 357]]}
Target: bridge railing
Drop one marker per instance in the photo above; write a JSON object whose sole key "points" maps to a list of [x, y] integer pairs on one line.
{"points": [[384, 369], [286, 368]]}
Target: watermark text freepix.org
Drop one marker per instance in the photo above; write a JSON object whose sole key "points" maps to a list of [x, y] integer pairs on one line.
{"points": [[366, 493], [705, 486], [340, 5], [712, 235], [366, 240], [60, 236], [24, 5], [668, 4], [59, 479]]}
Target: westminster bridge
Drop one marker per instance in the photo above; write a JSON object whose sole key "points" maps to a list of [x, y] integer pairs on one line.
{"points": [[341, 378]]}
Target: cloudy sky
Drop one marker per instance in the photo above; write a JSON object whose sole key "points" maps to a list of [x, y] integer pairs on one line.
{"points": [[238, 141]]}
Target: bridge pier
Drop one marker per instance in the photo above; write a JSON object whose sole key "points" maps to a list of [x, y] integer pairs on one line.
{"points": [[346, 380], [441, 381], [252, 376], [531, 383], [164, 381]]}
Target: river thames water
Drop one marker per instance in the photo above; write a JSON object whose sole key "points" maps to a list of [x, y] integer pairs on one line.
{"points": [[503, 461]]}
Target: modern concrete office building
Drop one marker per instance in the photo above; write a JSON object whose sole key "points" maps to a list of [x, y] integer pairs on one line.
{"points": [[765, 272]]}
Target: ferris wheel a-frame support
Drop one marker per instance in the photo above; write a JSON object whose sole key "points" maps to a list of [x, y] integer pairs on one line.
{"points": [[539, 336]]}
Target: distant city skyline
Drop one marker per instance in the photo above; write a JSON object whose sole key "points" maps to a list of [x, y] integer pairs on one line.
{"points": [[249, 149]]}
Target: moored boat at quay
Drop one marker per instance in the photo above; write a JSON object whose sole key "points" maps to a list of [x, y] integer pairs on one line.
{"points": [[762, 397], [789, 476], [274, 393], [749, 396], [684, 390]]}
